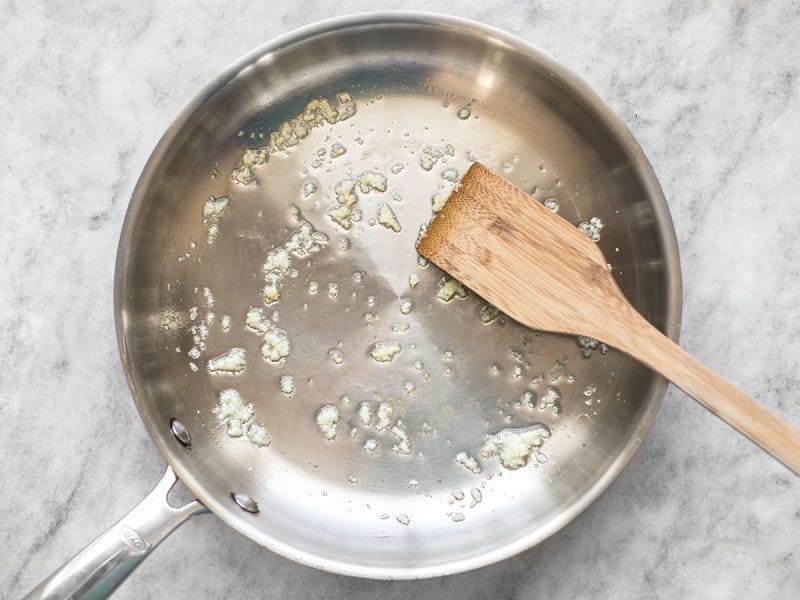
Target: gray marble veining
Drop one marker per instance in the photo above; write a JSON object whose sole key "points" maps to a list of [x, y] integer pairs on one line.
{"points": [[710, 89]]}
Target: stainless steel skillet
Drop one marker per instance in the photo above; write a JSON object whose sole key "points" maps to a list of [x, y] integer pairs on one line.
{"points": [[411, 99]]}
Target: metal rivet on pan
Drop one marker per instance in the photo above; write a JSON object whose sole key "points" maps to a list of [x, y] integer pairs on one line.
{"points": [[180, 432], [245, 502]]}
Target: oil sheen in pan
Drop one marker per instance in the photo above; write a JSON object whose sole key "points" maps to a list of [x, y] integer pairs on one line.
{"points": [[334, 199]]}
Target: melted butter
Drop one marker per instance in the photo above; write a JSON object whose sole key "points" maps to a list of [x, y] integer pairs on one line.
{"points": [[315, 114], [365, 413], [287, 384], [385, 351], [213, 209], [336, 356], [385, 412], [513, 446], [276, 345], [388, 219], [592, 228], [438, 201], [346, 210], [232, 362], [468, 462], [431, 155], [327, 420], [449, 289]]}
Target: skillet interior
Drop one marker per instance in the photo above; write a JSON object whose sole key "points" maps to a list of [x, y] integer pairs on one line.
{"points": [[321, 502]]}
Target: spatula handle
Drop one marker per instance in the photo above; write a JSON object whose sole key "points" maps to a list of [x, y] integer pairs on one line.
{"points": [[736, 408]]}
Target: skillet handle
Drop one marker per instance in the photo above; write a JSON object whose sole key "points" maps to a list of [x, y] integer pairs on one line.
{"points": [[98, 569]]}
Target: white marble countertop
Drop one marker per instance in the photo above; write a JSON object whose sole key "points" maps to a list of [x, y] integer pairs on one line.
{"points": [[711, 92]]}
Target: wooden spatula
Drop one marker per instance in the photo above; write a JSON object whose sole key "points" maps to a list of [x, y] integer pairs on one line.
{"points": [[543, 272]]}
